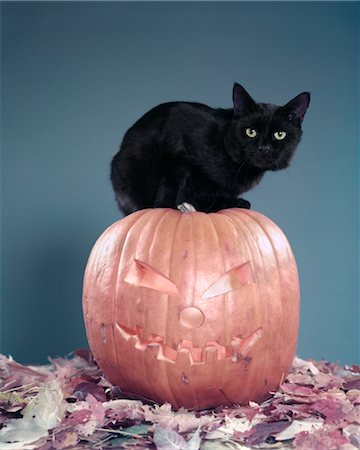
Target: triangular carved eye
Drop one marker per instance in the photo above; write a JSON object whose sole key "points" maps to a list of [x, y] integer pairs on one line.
{"points": [[235, 278], [142, 274]]}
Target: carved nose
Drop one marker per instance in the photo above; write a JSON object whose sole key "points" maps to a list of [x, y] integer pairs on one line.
{"points": [[264, 148], [191, 317]]}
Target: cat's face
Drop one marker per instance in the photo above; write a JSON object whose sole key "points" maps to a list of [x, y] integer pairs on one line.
{"points": [[267, 134]]}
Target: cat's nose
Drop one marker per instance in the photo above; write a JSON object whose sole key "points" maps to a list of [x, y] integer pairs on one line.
{"points": [[264, 148]]}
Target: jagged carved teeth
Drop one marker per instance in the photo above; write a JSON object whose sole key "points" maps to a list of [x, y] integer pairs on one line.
{"points": [[212, 350], [241, 346]]}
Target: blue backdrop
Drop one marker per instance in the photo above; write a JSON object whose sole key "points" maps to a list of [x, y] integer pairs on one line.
{"points": [[75, 76]]}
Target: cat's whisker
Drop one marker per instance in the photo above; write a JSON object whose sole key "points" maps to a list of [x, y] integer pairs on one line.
{"points": [[286, 172], [295, 163]]}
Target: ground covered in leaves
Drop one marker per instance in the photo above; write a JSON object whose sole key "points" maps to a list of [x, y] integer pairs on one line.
{"points": [[69, 405]]}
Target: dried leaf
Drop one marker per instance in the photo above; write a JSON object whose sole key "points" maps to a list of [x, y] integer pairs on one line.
{"points": [[96, 408], [182, 420], [13, 374], [195, 441], [84, 388], [263, 430], [302, 366], [333, 408], [42, 413], [329, 439], [352, 384], [217, 445], [165, 439], [65, 439], [296, 390], [121, 409], [298, 426]]}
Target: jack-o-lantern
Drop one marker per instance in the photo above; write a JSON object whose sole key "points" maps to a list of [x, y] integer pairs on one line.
{"points": [[199, 310]]}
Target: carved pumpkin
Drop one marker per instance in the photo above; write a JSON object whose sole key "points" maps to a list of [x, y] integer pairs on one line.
{"points": [[199, 310]]}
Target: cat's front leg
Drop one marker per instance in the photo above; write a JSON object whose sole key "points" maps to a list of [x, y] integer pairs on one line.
{"points": [[166, 194], [242, 203], [229, 202]]}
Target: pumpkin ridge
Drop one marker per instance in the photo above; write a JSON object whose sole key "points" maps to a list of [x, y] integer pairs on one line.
{"points": [[124, 251], [261, 255], [168, 368], [282, 305], [258, 218], [153, 223], [131, 233], [187, 354], [226, 302], [118, 366], [115, 244], [275, 252], [278, 284], [222, 227], [96, 257]]}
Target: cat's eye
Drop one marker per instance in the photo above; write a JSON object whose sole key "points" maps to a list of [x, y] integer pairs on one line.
{"points": [[251, 133], [280, 135]]}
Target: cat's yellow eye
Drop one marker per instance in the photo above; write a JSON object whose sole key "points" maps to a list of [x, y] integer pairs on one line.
{"points": [[251, 132], [280, 135]]}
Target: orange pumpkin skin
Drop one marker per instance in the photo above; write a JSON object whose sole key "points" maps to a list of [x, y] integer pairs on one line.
{"points": [[223, 328]]}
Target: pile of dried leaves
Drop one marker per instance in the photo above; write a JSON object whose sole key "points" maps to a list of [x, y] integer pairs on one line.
{"points": [[69, 405]]}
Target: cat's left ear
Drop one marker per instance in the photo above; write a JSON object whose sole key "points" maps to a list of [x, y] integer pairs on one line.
{"points": [[243, 103], [297, 107]]}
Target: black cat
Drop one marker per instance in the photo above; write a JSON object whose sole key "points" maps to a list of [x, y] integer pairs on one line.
{"points": [[188, 152]]}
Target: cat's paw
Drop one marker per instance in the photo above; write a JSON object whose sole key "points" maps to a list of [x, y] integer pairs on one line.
{"points": [[241, 203]]}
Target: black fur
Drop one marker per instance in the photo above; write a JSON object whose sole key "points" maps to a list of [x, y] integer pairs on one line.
{"points": [[188, 152]]}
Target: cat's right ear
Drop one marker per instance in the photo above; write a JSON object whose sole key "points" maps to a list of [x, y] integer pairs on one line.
{"points": [[242, 101], [298, 106]]}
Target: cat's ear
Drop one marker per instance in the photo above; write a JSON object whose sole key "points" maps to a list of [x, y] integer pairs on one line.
{"points": [[296, 108], [243, 103]]}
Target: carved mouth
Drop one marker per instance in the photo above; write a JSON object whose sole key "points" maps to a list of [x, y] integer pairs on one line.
{"points": [[236, 352]]}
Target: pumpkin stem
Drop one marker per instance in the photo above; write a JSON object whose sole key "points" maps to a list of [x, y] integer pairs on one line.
{"points": [[186, 207]]}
